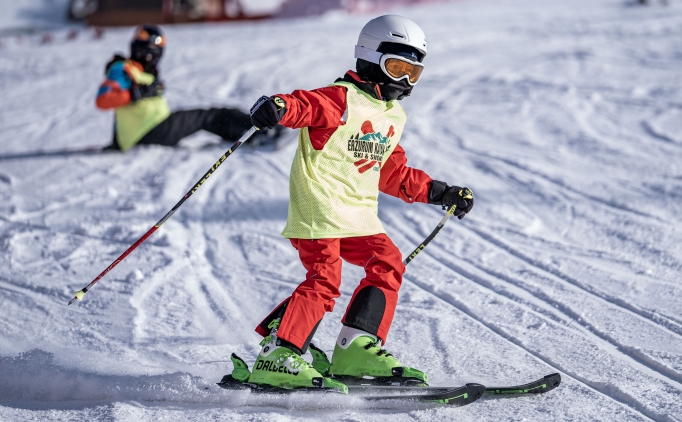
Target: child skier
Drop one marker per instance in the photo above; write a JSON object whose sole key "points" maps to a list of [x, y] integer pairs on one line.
{"points": [[133, 89], [348, 151]]}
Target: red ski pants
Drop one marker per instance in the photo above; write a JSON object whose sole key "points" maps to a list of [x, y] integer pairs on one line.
{"points": [[373, 303]]}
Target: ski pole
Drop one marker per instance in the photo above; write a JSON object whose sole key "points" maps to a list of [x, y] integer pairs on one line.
{"points": [[79, 294], [449, 213]]}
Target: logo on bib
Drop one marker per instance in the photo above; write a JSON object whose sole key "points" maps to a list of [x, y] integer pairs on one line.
{"points": [[369, 148]]}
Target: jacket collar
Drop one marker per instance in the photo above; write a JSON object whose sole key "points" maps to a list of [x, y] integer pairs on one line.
{"points": [[366, 86]]}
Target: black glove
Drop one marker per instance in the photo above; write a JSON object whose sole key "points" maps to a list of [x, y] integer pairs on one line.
{"points": [[267, 112], [117, 58], [442, 194], [138, 92]]}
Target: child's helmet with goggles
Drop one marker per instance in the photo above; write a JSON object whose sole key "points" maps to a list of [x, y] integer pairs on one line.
{"points": [[147, 45], [396, 44]]}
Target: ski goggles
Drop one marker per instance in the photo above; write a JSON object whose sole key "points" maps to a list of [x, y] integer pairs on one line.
{"points": [[394, 66], [143, 36]]}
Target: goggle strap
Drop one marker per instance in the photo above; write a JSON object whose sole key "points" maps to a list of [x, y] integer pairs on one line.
{"points": [[368, 54]]}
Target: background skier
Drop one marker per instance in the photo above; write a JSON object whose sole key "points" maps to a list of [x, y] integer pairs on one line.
{"points": [[348, 151], [142, 116]]}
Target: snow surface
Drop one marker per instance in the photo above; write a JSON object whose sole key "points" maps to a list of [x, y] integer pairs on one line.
{"points": [[563, 117]]}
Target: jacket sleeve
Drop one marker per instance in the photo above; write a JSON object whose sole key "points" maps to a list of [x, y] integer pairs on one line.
{"points": [[399, 180], [114, 91], [320, 110]]}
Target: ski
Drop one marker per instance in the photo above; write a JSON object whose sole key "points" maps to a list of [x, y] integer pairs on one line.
{"points": [[542, 385], [396, 387], [400, 382], [458, 396], [539, 386], [455, 396]]}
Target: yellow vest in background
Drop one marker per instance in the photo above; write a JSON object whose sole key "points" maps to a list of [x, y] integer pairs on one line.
{"points": [[134, 120], [333, 192]]}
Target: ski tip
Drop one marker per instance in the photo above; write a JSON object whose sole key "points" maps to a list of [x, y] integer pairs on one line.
{"points": [[552, 381], [475, 392], [540, 386]]}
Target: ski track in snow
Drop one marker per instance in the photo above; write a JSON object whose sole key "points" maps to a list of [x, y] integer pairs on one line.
{"points": [[564, 118]]}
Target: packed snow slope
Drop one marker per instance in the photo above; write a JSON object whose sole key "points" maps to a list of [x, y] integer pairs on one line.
{"points": [[565, 118]]}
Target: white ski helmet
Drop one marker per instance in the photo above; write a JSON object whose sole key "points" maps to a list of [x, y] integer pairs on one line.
{"points": [[389, 29]]}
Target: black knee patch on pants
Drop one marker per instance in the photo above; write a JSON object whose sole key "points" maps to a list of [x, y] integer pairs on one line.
{"points": [[367, 310]]}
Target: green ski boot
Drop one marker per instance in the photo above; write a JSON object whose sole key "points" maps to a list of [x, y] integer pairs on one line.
{"points": [[280, 367], [358, 356]]}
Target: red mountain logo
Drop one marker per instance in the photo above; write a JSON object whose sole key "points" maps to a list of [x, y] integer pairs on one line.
{"points": [[370, 147]]}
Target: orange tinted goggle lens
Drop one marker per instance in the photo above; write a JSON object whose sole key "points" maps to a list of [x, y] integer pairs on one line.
{"points": [[158, 40], [398, 68]]}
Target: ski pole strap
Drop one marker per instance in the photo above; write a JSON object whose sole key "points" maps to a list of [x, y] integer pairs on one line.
{"points": [[449, 213]]}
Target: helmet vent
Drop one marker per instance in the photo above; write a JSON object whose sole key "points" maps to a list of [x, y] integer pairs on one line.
{"points": [[394, 34]]}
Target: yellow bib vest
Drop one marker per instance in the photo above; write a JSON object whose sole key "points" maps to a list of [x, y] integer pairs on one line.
{"points": [[134, 120], [334, 191]]}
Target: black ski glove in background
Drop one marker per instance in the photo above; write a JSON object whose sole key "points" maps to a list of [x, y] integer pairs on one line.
{"points": [[138, 92], [442, 194], [267, 112]]}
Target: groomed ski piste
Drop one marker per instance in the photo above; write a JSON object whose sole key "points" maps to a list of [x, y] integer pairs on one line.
{"points": [[565, 118]]}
